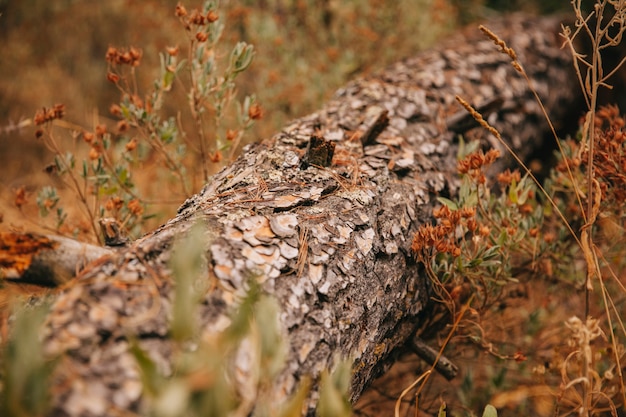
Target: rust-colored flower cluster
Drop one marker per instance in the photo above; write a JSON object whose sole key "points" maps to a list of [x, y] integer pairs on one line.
{"points": [[94, 140], [255, 112], [473, 163], [442, 236], [123, 56], [506, 177], [115, 204], [46, 115], [609, 157], [196, 18], [21, 198]]}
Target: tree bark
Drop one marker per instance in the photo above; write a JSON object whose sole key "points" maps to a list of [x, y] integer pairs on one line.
{"points": [[330, 243]]}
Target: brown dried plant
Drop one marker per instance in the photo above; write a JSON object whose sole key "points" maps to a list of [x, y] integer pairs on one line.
{"points": [[596, 197]]}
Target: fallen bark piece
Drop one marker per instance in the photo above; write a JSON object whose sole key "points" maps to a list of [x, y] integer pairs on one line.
{"points": [[331, 244]]}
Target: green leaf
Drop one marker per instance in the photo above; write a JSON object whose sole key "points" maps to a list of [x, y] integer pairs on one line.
{"points": [[151, 378], [24, 370], [240, 324], [334, 387], [273, 346], [295, 405], [187, 264], [490, 411], [447, 202], [241, 57]]}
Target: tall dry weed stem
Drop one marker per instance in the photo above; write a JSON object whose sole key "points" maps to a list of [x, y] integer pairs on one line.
{"points": [[603, 27]]}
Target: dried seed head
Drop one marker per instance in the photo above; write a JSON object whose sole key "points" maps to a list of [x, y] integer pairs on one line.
{"points": [[47, 115], [137, 101], [20, 197], [231, 134], [255, 112], [113, 77], [94, 154], [499, 42], [111, 54], [101, 130], [88, 137], [114, 204], [122, 126], [196, 18], [180, 10], [115, 110], [212, 16], [135, 207], [131, 145], [201, 37], [215, 157]]}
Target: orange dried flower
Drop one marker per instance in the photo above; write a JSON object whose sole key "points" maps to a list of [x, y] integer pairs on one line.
{"points": [[463, 166], [416, 245], [255, 112], [131, 145], [135, 55], [180, 10], [441, 247], [231, 134], [112, 77], [122, 126], [505, 177], [135, 207], [172, 50], [47, 115], [212, 16], [519, 357], [472, 224], [94, 154], [48, 203], [201, 37], [88, 137], [468, 212], [20, 197], [216, 157], [441, 212], [137, 101], [491, 156], [101, 130], [111, 54], [115, 110], [196, 18], [114, 203], [525, 208]]}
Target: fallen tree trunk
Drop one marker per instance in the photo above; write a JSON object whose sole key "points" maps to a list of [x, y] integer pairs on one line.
{"points": [[327, 236]]}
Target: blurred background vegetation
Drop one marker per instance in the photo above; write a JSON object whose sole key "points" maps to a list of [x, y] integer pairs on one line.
{"points": [[53, 52]]}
